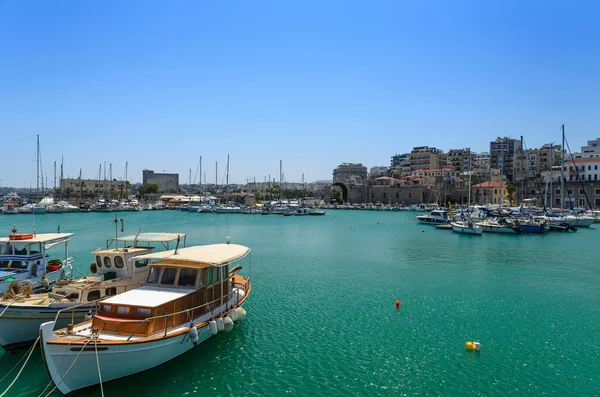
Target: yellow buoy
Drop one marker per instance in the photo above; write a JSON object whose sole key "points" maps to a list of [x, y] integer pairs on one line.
{"points": [[470, 346]]}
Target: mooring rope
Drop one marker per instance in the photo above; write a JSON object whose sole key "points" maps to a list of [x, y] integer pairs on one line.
{"points": [[22, 368]]}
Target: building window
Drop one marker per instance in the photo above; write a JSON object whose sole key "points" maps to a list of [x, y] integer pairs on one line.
{"points": [[597, 202], [581, 191], [409, 195], [597, 192], [397, 195], [372, 195], [570, 191], [557, 191], [589, 167], [384, 195]]}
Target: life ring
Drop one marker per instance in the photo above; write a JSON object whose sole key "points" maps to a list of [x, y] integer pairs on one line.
{"points": [[15, 288], [93, 268]]}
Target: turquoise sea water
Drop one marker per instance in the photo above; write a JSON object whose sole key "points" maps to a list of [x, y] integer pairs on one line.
{"points": [[322, 320]]}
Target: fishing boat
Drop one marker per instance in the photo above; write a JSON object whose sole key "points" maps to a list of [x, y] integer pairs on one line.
{"points": [[113, 272], [435, 217], [190, 295], [26, 257], [467, 227], [31, 208], [9, 209]]}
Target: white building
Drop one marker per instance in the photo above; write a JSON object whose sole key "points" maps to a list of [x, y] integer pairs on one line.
{"points": [[378, 170], [592, 150], [587, 169]]}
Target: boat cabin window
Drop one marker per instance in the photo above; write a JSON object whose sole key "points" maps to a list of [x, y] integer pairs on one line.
{"points": [[141, 263], [118, 262], [153, 276], [98, 261], [4, 264], [20, 249], [217, 275], [142, 312], [18, 265], [93, 295], [106, 308], [209, 276], [187, 277], [168, 276], [201, 280], [122, 309], [6, 249], [107, 261], [111, 291], [35, 248]]}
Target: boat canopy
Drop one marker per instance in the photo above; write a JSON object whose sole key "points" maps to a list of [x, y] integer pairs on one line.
{"points": [[163, 238], [214, 254], [47, 238]]}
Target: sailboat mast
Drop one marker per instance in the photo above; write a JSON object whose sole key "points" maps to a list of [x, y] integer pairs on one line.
{"points": [[62, 158], [126, 188], [469, 194], [54, 192], [200, 173], [501, 175], [522, 173], [227, 181], [80, 189], [37, 163], [562, 170], [551, 176]]}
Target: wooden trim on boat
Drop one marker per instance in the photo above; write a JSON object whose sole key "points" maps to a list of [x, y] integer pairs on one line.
{"points": [[236, 280]]}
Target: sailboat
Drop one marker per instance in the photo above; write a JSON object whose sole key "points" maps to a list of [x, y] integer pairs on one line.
{"points": [[465, 225]]}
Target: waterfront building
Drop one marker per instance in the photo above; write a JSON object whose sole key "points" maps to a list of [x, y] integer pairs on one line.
{"points": [[487, 193], [86, 188], [425, 157], [378, 170], [582, 169], [399, 162], [591, 150], [436, 176], [350, 173], [167, 183], [458, 159], [502, 152]]}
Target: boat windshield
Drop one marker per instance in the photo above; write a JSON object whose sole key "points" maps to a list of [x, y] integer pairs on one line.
{"points": [[153, 276]]}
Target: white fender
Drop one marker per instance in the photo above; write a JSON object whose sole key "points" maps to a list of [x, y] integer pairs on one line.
{"points": [[193, 333], [220, 325], [233, 314], [227, 324], [212, 324], [241, 313]]}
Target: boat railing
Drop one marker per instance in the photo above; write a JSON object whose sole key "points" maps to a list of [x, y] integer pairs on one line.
{"points": [[96, 301], [245, 285]]}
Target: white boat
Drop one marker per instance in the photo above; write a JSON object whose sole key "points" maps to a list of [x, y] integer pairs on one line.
{"points": [[579, 220], [467, 227], [31, 208], [228, 210], [26, 257], [66, 207], [112, 273], [9, 209], [501, 226], [435, 217], [191, 294]]}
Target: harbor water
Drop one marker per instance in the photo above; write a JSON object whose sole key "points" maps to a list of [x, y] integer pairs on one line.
{"points": [[322, 318]]}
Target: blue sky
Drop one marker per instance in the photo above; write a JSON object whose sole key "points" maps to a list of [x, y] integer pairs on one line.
{"points": [[158, 84]]}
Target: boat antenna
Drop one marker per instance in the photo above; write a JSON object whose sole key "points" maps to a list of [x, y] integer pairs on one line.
{"points": [[137, 235], [177, 245], [58, 229]]}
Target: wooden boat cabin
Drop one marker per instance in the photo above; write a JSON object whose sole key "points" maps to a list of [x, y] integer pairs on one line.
{"points": [[184, 284], [113, 270]]}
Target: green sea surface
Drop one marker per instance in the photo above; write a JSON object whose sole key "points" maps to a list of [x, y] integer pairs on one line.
{"points": [[322, 319]]}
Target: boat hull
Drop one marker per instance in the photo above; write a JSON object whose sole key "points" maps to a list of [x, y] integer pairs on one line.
{"points": [[20, 325], [475, 231], [116, 360], [499, 229]]}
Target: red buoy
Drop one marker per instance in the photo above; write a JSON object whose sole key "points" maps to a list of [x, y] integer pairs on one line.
{"points": [[397, 304]]}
